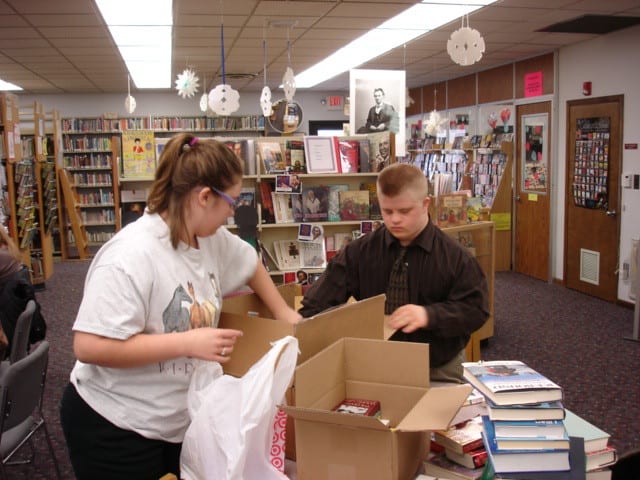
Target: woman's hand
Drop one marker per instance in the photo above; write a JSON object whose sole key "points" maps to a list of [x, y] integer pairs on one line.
{"points": [[214, 344]]}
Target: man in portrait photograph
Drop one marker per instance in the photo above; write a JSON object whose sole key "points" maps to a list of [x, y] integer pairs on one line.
{"points": [[382, 115]]}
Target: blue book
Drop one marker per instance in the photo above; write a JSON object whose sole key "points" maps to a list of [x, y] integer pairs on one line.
{"points": [[523, 443], [507, 461], [548, 429]]}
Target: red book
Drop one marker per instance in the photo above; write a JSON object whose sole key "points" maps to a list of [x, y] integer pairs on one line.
{"points": [[358, 406]]}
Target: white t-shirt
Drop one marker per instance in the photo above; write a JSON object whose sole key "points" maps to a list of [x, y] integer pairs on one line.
{"points": [[138, 283]]}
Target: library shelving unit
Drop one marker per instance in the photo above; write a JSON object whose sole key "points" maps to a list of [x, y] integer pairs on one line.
{"points": [[10, 156], [491, 173], [42, 196], [89, 184], [480, 239]]}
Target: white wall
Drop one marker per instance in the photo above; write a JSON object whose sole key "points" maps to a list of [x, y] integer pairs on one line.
{"points": [[164, 104], [611, 63]]}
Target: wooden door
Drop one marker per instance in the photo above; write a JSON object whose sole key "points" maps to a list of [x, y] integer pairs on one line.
{"points": [[533, 179], [592, 225]]}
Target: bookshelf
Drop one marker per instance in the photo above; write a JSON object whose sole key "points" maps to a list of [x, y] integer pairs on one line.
{"points": [[491, 179]]}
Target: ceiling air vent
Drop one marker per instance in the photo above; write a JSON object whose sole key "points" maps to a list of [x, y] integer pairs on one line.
{"points": [[596, 24]]}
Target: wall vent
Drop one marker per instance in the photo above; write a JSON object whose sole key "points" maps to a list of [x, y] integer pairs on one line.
{"points": [[590, 266]]}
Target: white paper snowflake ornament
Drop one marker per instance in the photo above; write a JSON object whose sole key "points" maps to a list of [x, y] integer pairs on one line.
{"points": [[408, 100], [289, 84], [130, 104], [224, 100], [204, 102], [434, 124], [187, 83], [466, 46], [265, 101]]}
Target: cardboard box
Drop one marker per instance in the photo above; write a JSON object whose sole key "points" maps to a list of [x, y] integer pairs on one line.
{"points": [[363, 319], [335, 446]]}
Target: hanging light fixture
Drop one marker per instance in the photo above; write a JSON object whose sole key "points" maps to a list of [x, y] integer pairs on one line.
{"points": [[223, 99], [265, 97], [187, 83], [466, 45], [129, 102], [289, 80]]}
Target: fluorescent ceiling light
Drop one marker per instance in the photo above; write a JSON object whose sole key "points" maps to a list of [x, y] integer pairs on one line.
{"points": [[404, 27], [142, 30], [6, 86]]}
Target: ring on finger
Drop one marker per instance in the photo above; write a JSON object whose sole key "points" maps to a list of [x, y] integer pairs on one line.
{"points": [[224, 351]]}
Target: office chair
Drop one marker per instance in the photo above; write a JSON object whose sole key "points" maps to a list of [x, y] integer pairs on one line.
{"points": [[19, 344], [21, 391]]}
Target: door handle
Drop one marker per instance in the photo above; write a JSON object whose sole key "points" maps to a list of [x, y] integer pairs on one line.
{"points": [[611, 213], [517, 198]]}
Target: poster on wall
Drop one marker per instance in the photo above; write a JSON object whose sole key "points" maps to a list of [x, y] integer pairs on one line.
{"points": [[534, 160], [378, 103], [495, 119], [138, 155], [591, 165]]}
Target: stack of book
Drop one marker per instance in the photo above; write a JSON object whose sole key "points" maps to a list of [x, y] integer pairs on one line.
{"points": [[521, 431], [528, 433]]}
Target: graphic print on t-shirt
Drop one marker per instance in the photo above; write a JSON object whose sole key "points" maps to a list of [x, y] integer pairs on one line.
{"points": [[180, 317]]}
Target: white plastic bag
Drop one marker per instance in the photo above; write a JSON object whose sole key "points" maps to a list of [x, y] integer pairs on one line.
{"points": [[232, 418]]}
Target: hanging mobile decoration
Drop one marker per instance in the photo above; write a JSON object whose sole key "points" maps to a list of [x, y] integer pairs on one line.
{"points": [[289, 80], [466, 45], [129, 102], [265, 97], [435, 122], [408, 100], [204, 99], [187, 83], [223, 99]]}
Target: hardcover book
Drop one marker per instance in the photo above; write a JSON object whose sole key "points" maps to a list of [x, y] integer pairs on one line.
{"points": [[601, 458], [287, 254], [348, 151], [461, 438], [312, 254], [282, 207], [374, 205], [440, 466], [473, 459], [358, 406], [333, 214], [273, 160], [451, 209], [315, 204], [354, 205], [522, 443], [294, 151], [594, 438], [507, 382], [537, 411], [549, 429]]}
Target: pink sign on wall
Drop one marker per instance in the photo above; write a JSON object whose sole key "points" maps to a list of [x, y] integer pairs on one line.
{"points": [[533, 84]]}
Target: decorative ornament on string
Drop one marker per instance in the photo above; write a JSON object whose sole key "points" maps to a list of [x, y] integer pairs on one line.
{"points": [[492, 120], [466, 45], [204, 99], [289, 79], [129, 102], [187, 83], [434, 124], [408, 100], [223, 99], [265, 97]]}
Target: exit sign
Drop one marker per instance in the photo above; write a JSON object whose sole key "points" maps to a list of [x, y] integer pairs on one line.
{"points": [[335, 102]]}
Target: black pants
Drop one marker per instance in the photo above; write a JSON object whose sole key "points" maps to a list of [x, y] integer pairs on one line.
{"points": [[100, 450]]}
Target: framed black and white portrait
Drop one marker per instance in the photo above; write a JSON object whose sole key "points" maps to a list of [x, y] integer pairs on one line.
{"points": [[377, 99]]}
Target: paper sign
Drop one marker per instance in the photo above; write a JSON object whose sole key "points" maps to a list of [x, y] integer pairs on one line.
{"points": [[502, 221], [533, 84], [532, 197]]}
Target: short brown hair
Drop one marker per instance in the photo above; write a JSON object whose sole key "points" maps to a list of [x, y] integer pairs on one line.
{"points": [[399, 177], [187, 162]]}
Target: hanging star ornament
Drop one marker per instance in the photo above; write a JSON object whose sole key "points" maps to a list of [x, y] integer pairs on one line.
{"points": [[466, 46], [408, 100], [265, 101], [434, 124], [187, 83], [204, 102], [130, 104]]}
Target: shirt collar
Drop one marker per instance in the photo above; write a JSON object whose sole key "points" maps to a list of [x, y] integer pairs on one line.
{"points": [[424, 239]]}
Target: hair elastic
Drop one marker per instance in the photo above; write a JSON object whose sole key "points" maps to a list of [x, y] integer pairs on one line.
{"points": [[193, 141]]}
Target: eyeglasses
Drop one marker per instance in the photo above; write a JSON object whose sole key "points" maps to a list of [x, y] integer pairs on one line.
{"points": [[227, 198]]}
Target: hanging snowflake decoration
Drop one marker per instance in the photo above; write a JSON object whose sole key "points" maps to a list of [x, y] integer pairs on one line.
{"points": [[289, 84], [204, 102], [224, 100], [187, 83], [408, 100], [466, 46], [434, 124], [265, 101], [130, 104]]}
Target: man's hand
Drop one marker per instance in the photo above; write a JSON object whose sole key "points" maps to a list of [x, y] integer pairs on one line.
{"points": [[408, 318]]}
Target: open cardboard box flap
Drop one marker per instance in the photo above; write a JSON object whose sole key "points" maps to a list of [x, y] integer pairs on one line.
{"points": [[436, 409], [360, 319]]}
